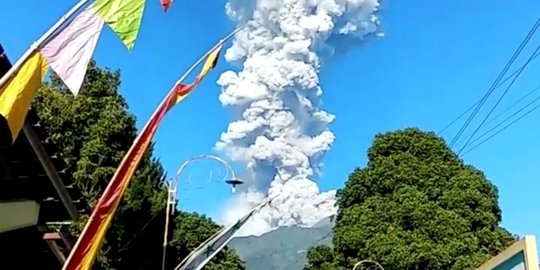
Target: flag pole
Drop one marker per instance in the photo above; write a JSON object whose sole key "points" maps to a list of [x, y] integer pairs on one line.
{"points": [[35, 46], [184, 76], [199, 61], [138, 138]]}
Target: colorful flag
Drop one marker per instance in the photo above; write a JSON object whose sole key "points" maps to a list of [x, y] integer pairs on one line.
{"points": [[70, 51], [89, 243], [182, 90], [16, 95], [166, 4], [210, 63], [84, 252], [123, 16], [180, 93]]}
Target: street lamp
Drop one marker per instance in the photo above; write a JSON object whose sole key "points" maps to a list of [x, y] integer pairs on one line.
{"points": [[370, 262], [171, 192]]}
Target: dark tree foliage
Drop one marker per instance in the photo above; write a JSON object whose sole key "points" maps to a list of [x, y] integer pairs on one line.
{"points": [[415, 206], [321, 258], [94, 131]]}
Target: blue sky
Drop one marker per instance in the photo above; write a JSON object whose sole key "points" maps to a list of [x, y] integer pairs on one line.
{"points": [[437, 58]]}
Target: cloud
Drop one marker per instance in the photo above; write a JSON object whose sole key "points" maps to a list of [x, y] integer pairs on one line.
{"points": [[280, 133]]}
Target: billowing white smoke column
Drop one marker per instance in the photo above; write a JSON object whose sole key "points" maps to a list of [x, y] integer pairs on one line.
{"points": [[281, 133]]}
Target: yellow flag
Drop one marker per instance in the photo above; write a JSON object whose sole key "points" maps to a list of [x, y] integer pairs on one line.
{"points": [[16, 95], [211, 62], [182, 90]]}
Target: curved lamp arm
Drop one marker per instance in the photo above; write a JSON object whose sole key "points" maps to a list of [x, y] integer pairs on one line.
{"points": [[368, 261], [230, 171]]}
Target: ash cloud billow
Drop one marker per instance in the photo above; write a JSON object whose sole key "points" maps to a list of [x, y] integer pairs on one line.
{"points": [[280, 132]]}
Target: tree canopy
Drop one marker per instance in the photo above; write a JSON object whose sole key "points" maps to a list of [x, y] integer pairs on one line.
{"points": [[93, 132], [415, 206]]}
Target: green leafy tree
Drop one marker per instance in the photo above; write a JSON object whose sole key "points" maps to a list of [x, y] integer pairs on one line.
{"points": [[415, 206], [321, 258], [93, 132]]}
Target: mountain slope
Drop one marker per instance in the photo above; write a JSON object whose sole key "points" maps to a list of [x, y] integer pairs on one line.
{"points": [[282, 249]]}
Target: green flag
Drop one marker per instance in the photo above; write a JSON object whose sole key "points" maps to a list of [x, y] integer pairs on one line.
{"points": [[123, 16]]}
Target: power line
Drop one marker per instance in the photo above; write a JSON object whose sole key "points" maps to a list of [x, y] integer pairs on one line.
{"points": [[502, 129], [496, 82], [499, 100], [510, 107], [457, 118], [476, 103], [506, 119]]}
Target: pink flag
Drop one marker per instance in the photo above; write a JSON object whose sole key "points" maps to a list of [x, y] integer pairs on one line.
{"points": [[70, 51]]}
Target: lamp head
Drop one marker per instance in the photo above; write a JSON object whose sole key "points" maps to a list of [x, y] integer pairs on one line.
{"points": [[234, 183]]}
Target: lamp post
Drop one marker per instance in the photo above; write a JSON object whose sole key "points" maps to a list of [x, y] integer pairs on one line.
{"points": [[370, 262], [172, 187]]}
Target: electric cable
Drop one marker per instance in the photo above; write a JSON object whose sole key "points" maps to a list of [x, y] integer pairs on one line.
{"points": [[476, 103], [499, 100], [502, 129], [496, 82]]}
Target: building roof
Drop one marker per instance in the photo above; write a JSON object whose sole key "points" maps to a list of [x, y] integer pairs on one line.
{"points": [[522, 255], [23, 176]]}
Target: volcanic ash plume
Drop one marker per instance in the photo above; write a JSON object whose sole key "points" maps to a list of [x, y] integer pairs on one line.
{"points": [[280, 132]]}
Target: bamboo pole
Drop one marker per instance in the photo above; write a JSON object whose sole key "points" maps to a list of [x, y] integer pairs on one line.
{"points": [[154, 114]]}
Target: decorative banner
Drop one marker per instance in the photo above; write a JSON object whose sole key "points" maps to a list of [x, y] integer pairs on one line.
{"points": [[68, 46], [123, 16], [166, 4], [182, 90], [16, 95], [210, 63], [70, 51], [85, 251], [89, 243]]}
